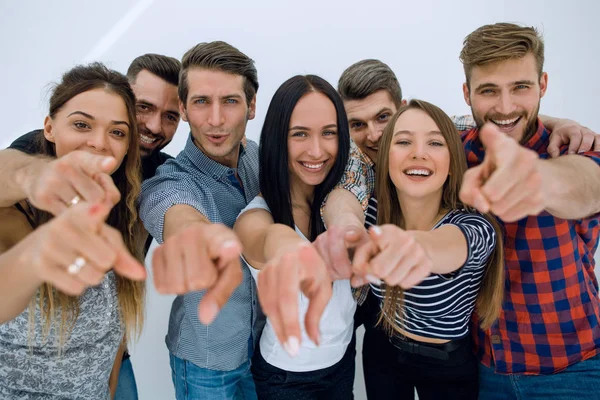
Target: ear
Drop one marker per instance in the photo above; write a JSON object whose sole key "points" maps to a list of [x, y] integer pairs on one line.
{"points": [[467, 94], [543, 84], [403, 102], [48, 129], [252, 108], [182, 111]]}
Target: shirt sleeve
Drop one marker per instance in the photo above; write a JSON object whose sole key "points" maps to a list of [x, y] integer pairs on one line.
{"points": [[28, 143], [167, 189], [358, 177], [480, 236], [463, 122]]}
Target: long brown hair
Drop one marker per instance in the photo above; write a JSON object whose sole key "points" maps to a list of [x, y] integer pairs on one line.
{"points": [[489, 299], [123, 216]]}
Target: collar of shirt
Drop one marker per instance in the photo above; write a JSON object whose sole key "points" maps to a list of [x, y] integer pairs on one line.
{"points": [[209, 166]]}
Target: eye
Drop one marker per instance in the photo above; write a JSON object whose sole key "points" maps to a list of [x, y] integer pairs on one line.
{"points": [[143, 107], [299, 134], [231, 101], [521, 87], [383, 117], [488, 91], [357, 125], [172, 118], [118, 133], [436, 143], [329, 133], [403, 142], [81, 125], [200, 101]]}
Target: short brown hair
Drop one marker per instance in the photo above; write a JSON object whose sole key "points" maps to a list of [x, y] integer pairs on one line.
{"points": [[489, 298], [366, 77], [499, 42], [219, 56], [166, 68]]}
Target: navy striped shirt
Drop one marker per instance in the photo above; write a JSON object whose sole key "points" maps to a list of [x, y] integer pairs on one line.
{"points": [[194, 179], [441, 306]]}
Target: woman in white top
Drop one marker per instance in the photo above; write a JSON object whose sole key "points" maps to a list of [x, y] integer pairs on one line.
{"points": [[304, 147], [439, 260]]}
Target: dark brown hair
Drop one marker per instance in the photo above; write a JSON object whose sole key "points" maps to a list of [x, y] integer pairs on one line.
{"points": [[366, 77], [166, 68]]}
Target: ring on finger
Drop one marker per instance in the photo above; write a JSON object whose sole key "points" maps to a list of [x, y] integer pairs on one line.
{"points": [[75, 200], [76, 266]]}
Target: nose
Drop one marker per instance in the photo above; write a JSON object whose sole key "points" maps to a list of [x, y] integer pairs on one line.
{"points": [[505, 105], [98, 141], [373, 133], [153, 123], [419, 150], [216, 115], [315, 150]]}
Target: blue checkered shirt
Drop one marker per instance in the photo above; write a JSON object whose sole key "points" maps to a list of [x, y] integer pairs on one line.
{"points": [[195, 180]]}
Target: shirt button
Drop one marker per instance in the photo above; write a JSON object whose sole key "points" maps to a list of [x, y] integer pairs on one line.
{"points": [[496, 339]]}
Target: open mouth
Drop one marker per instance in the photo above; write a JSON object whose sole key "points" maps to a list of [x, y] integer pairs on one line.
{"points": [[148, 139], [418, 172], [506, 124], [312, 166]]}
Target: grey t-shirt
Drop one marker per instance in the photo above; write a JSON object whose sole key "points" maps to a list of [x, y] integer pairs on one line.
{"points": [[32, 368]]}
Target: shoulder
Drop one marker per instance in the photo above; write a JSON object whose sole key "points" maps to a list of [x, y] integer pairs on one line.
{"points": [[14, 227]]}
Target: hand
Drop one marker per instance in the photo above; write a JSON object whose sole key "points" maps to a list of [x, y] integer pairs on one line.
{"points": [[76, 249], [292, 270], [202, 256], [334, 245], [392, 255], [53, 185], [579, 138], [509, 182]]}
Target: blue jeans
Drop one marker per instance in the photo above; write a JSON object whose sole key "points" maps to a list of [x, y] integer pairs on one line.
{"points": [[126, 388], [193, 382], [579, 381]]}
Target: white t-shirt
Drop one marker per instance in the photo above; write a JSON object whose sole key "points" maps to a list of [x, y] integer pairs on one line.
{"points": [[336, 326]]}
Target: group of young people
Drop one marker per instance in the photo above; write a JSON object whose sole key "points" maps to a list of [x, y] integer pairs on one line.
{"points": [[464, 246]]}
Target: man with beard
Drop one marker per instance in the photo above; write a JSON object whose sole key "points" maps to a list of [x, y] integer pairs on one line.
{"points": [[190, 207]]}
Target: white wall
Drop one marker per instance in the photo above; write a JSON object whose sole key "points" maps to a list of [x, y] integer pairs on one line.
{"points": [[420, 40]]}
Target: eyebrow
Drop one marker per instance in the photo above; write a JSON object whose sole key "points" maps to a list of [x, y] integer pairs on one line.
{"points": [[93, 118], [411, 133], [303, 128], [149, 104], [227, 96], [493, 85], [377, 113]]}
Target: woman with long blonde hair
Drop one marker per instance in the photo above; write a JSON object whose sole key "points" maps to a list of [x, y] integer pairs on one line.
{"points": [[439, 261], [70, 291]]}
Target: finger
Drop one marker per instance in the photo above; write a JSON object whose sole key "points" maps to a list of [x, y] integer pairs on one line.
{"points": [[216, 297], [88, 217], [110, 192], [522, 197], [223, 243], [65, 251], [268, 296], [575, 143], [159, 271], [200, 272], [512, 173], [597, 142], [415, 276], [89, 190], [318, 291], [554, 145], [125, 264], [92, 164], [413, 255], [58, 277], [587, 140], [362, 256], [470, 192], [288, 284], [174, 279], [338, 252]]}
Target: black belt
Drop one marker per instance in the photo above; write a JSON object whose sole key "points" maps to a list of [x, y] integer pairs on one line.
{"points": [[441, 351]]}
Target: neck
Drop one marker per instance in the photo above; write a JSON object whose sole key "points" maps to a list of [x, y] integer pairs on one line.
{"points": [[420, 213], [301, 194]]}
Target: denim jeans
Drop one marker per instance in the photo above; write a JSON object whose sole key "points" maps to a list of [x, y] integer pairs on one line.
{"points": [[579, 381], [126, 388], [193, 382]]}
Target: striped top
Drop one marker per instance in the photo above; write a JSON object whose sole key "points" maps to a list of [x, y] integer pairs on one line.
{"points": [[441, 306]]}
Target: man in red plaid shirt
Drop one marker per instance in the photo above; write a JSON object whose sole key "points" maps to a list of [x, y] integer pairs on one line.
{"points": [[546, 340]]}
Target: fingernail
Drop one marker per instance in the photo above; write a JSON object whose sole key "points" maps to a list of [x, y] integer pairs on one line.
{"points": [[373, 279], [376, 230], [211, 313], [292, 346], [229, 244]]}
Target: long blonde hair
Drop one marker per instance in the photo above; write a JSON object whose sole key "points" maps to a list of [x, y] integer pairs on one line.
{"points": [[489, 299], [123, 217]]}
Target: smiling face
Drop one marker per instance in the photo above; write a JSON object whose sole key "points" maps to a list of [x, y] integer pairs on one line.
{"points": [[312, 140], [95, 121], [157, 111], [217, 112], [508, 94], [419, 159], [368, 118]]}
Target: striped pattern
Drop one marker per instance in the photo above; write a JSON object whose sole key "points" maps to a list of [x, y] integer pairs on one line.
{"points": [[551, 311], [441, 305], [194, 179]]}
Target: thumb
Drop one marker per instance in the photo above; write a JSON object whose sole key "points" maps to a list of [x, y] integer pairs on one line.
{"points": [[492, 138], [125, 264]]}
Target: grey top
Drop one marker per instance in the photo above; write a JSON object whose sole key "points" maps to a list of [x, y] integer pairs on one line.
{"points": [[195, 180], [82, 369]]}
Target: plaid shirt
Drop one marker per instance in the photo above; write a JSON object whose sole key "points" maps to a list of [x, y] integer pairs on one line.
{"points": [[550, 315]]}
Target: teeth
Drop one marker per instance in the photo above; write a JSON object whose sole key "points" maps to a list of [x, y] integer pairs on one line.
{"points": [[147, 139], [312, 166], [505, 121], [420, 172]]}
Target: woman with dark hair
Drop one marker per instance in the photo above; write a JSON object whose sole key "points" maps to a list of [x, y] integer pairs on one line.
{"points": [[65, 314], [438, 259], [304, 147]]}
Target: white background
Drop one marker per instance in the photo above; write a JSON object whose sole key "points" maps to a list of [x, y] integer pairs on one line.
{"points": [[421, 41]]}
